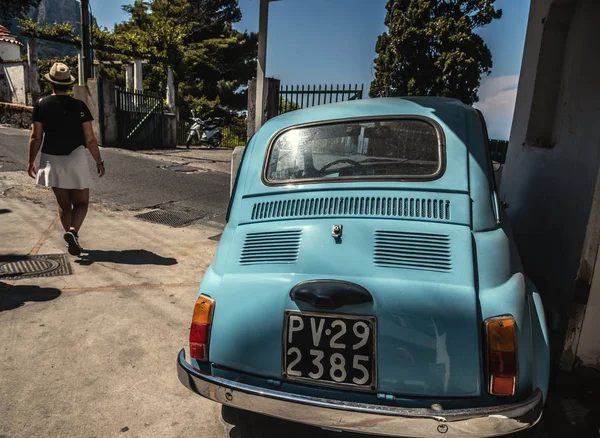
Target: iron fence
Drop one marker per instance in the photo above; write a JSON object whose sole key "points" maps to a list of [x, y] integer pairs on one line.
{"points": [[182, 132], [140, 119], [296, 97]]}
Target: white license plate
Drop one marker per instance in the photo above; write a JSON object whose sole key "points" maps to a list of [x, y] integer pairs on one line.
{"points": [[334, 350]]}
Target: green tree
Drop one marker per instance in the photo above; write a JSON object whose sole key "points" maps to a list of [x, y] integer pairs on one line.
{"points": [[431, 49], [212, 61], [10, 9], [285, 105]]}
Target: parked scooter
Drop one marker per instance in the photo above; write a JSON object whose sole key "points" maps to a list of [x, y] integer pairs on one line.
{"points": [[204, 132]]}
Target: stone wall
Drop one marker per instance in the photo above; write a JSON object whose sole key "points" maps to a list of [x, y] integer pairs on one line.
{"points": [[18, 116]]}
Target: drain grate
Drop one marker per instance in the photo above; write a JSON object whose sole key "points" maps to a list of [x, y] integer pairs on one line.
{"points": [[21, 267], [173, 219]]}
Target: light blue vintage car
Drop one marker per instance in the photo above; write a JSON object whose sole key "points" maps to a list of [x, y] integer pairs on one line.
{"points": [[367, 279]]}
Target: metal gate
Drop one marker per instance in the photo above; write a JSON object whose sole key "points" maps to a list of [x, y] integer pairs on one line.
{"points": [[140, 119], [297, 97]]}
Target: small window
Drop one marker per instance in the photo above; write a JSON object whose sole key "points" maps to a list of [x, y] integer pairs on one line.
{"points": [[358, 149]]}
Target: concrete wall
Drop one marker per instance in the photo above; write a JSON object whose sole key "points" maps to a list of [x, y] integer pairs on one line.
{"points": [[10, 51], [550, 189], [13, 82], [89, 94], [236, 160], [169, 131], [588, 348], [270, 103], [106, 132], [111, 127]]}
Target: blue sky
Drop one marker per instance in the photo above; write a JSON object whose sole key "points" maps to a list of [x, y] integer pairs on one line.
{"points": [[333, 41]]}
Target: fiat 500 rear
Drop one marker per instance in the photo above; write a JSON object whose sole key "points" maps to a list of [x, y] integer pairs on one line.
{"points": [[367, 279]]}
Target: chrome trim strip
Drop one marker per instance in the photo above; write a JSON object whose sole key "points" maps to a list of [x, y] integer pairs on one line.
{"points": [[361, 417]]}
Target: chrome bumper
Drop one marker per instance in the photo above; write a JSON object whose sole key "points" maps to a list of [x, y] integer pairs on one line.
{"points": [[364, 418]]}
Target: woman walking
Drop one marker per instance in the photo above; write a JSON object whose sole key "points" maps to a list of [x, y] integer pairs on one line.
{"points": [[62, 127]]}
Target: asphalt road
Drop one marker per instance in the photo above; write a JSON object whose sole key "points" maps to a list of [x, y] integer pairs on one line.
{"points": [[137, 181]]}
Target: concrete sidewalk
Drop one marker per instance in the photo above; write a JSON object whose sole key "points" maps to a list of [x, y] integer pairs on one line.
{"points": [[93, 353]]}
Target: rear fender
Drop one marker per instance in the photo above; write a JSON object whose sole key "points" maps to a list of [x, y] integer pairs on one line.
{"points": [[518, 297], [540, 341]]}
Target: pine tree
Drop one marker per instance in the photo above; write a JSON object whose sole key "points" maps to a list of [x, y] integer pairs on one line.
{"points": [[431, 49]]}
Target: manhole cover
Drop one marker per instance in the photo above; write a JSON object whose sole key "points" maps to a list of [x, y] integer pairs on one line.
{"points": [[173, 219], [18, 268]]}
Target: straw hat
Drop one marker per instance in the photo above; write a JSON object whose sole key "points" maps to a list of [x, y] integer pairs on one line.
{"points": [[60, 74]]}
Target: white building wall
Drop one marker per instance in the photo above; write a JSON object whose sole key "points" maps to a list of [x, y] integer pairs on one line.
{"points": [[550, 191], [13, 82], [9, 51], [588, 350]]}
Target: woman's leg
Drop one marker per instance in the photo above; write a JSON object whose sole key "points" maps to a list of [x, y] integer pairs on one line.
{"points": [[64, 206], [80, 200]]}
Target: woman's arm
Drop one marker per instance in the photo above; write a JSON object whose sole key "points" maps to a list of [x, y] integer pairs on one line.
{"points": [[35, 141], [92, 146]]}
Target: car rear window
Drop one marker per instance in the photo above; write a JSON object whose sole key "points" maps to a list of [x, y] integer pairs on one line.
{"points": [[357, 149]]}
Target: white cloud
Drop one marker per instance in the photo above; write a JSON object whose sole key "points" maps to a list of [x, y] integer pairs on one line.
{"points": [[497, 98]]}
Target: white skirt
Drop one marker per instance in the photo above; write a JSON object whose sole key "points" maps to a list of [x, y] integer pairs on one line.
{"points": [[70, 172]]}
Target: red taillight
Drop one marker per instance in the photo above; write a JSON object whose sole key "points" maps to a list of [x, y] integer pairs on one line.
{"points": [[501, 355], [200, 329]]}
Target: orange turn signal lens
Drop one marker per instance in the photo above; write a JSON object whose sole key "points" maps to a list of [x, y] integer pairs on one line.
{"points": [[203, 310], [501, 334], [501, 355], [200, 328], [503, 385]]}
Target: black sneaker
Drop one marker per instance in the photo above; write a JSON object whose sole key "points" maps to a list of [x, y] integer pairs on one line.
{"points": [[73, 243]]}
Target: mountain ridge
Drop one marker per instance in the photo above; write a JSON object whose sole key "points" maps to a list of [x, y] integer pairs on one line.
{"points": [[49, 12]]}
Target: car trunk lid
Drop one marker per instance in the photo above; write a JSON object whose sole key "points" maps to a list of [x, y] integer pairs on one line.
{"points": [[421, 278]]}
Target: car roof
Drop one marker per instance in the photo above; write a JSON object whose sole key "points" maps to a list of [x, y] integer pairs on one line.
{"points": [[441, 109], [467, 166]]}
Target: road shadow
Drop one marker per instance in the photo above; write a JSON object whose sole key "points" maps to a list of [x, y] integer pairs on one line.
{"points": [[5, 211], [250, 425], [13, 297], [126, 257]]}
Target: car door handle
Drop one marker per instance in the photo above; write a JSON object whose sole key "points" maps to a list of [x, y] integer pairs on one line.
{"points": [[330, 294]]}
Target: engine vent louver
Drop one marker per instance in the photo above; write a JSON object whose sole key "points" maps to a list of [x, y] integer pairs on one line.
{"points": [[398, 249], [418, 208], [273, 247]]}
